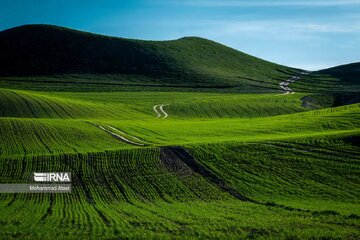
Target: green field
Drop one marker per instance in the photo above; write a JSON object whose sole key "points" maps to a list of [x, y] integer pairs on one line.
{"points": [[181, 139], [297, 168]]}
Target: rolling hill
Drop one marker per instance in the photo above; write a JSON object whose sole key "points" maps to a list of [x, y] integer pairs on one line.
{"points": [[45, 50], [349, 73], [344, 79], [56, 58], [182, 139], [331, 87]]}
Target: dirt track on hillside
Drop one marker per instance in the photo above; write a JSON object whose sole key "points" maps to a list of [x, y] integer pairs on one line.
{"points": [[285, 85], [118, 136], [159, 110]]}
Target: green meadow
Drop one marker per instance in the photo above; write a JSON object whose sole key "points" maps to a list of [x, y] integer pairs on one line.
{"points": [[297, 167], [180, 139]]}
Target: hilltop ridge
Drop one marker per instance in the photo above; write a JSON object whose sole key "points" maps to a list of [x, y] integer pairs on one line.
{"points": [[42, 50], [51, 57]]}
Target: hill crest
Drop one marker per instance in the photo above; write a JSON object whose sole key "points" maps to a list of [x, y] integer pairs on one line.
{"points": [[42, 50]]}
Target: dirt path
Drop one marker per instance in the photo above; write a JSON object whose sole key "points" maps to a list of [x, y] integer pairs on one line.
{"points": [[155, 109], [159, 109], [118, 136], [133, 137], [285, 85]]}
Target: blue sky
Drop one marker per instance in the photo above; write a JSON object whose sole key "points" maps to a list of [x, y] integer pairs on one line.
{"points": [[309, 34]]}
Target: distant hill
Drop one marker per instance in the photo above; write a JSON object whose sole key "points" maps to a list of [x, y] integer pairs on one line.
{"points": [[47, 57], [343, 80], [332, 87], [46, 50], [348, 73]]}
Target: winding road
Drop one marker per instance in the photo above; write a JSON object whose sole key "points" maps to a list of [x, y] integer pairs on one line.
{"points": [[285, 85], [159, 109]]}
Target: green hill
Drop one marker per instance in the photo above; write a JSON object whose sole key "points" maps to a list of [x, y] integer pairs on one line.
{"points": [[150, 158], [46, 57], [59, 53], [298, 172], [348, 73], [344, 79], [331, 87]]}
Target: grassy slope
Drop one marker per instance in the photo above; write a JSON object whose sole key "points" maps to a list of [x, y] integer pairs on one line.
{"points": [[212, 220], [301, 166], [119, 64], [349, 73], [59, 59], [25, 104], [59, 121], [130, 193], [200, 105], [341, 80], [44, 136], [190, 61], [308, 169], [265, 146]]}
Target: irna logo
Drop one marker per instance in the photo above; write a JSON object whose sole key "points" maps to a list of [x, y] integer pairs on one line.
{"points": [[52, 177]]}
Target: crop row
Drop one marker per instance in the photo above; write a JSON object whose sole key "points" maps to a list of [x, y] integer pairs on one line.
{"points": [[25, 104], [39, 136], [113, 176], [132, 193], [298, 169]]}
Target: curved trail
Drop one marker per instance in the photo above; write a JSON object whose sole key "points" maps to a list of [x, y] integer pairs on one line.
{"points": [[119, 137], [155, 109], [159, 109], [133, 137], [285, 85]]}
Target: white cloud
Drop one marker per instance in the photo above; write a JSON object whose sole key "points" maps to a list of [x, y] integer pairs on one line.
{"points": [[263, 3], [296, 27], [282, 28]]}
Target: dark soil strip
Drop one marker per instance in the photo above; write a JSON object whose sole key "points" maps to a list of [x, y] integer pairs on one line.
{"points": [[102, 216], [23, 169], [87, 192], [172, 154], [170, 157], [173, 163], [50, 208], [12, 200]]}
